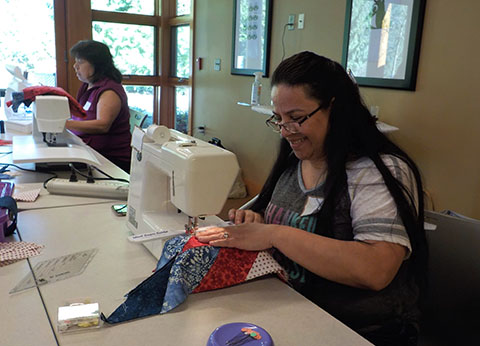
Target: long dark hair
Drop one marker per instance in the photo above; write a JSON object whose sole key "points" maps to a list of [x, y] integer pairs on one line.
{"points": [[98, 54], [352, 134]]}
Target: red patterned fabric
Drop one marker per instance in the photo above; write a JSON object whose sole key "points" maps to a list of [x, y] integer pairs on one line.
{"points": [[231, 267], [192, 242]]}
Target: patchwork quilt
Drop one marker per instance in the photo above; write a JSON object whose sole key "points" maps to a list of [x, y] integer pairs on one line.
{"points": [[188, 266]]}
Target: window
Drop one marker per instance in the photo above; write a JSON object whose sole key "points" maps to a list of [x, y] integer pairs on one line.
{"points": [[151, 41], [153, 52], [181, 63], [181, 51], [33, 51], [182, 101], [141, 99], [183, 7], [130, 6], [133, 48], [131, 45]]}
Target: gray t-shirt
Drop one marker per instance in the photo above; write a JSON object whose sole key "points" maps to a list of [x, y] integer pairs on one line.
{"points": [[373, 212]]}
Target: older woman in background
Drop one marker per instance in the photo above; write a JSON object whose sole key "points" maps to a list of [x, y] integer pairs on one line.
{"points": [[106, 127]]}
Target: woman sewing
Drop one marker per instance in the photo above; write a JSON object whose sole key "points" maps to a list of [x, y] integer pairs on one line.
{"points": [[106, 127], [342, 208]]}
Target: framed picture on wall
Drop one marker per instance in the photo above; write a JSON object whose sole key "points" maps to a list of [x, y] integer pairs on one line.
{"points": [[381, 44], [251, 36]]}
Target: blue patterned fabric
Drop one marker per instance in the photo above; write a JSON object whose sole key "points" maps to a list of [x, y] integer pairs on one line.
{"points": [[144, 300], [171, 249], [176, 276]]}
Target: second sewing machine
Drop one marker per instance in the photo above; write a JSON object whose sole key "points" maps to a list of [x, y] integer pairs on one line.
{"points": [[177, 183]]}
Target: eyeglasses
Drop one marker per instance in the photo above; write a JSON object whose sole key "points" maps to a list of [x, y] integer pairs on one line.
{"points": [[291, 126]]}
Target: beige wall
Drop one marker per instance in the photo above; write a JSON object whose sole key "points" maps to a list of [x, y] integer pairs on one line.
{"points": [[439, 122]]}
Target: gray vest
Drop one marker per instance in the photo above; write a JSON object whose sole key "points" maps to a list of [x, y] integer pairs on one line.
{"points": [[363, 310]]}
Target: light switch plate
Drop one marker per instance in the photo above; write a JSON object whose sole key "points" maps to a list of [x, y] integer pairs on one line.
{"points": [[217, 66], [291, 22]]}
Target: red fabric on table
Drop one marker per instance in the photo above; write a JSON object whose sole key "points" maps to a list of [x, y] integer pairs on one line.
{"points": [[231, 267]]}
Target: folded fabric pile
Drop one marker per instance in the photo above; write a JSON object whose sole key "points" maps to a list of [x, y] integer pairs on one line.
{"points": [[25, 195], [12, 252], [188, 266], [27, 96]]}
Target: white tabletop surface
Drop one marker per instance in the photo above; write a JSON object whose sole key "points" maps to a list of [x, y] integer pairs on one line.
{"points": [[26, 180], [47, 200], [68, 224], [119, 266], [23, 317]]}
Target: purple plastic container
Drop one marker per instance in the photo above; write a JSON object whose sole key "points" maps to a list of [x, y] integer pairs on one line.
{"points": [[6, 189], [232, 332]]}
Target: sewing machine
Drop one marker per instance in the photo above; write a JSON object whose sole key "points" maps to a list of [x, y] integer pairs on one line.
{"points": [[50, 142], [177, 183], [50, 114]]}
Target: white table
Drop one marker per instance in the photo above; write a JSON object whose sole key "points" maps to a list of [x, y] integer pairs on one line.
{"points": [[23, 318], [67, 224], [27, 180], [119, 266], [47, 200]]}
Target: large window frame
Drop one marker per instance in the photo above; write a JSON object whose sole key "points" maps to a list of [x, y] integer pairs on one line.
{"points": [[73, 22]]}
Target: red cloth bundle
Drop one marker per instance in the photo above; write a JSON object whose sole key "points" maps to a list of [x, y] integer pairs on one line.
{"points": [[30, 93]]}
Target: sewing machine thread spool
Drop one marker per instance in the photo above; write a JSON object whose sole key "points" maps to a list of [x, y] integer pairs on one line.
{"points": [[158, 133]]}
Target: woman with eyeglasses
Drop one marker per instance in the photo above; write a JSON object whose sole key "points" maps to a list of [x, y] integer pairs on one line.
{"points": [[107, 125], [342, 209]]}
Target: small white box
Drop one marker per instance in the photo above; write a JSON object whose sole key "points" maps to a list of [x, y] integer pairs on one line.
{"points": [[77, 317]]}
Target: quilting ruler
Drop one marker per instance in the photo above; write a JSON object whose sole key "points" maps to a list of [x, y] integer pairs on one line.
{"points": [[56, 269]]}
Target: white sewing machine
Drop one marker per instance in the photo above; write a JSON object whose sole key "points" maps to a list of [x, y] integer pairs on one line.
{"points": [[175, 180], [50, 141], [50, 114]]}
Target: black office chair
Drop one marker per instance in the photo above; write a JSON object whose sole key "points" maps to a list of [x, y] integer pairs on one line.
{"points": [[451, 315]]}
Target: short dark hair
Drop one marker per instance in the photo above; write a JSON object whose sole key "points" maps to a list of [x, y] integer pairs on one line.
{"points": [[98, 54]]}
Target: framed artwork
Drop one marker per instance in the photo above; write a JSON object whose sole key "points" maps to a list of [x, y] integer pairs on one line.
{"points": [[381, 42], [251, 36]]}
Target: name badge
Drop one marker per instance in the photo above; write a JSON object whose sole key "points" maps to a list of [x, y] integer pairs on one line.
{"points": [[87, 106]]}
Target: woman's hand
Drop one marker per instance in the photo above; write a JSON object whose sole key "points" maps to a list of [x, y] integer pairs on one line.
{"points": [[246, 236], [238, 216], [370, 265]]}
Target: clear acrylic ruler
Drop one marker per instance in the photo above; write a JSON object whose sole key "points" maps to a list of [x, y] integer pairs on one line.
{"points": [[56, 269]]}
